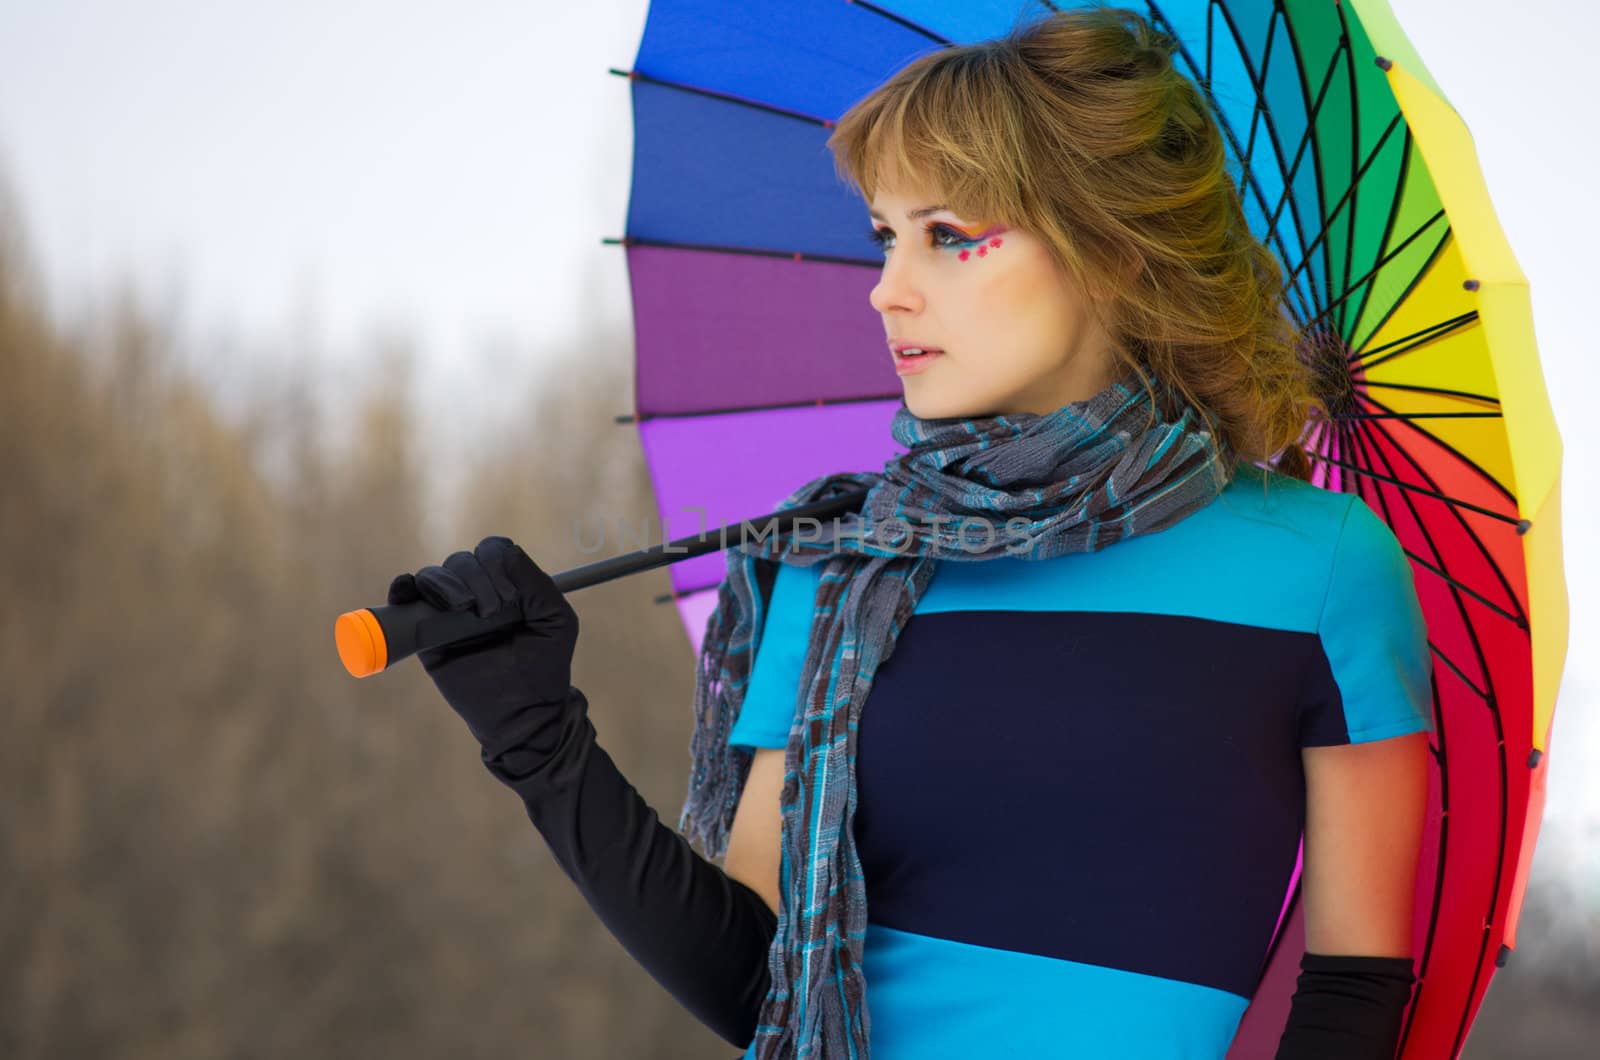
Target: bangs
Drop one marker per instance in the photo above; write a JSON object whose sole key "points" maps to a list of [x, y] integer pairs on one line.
{"points": [[942, 124]]}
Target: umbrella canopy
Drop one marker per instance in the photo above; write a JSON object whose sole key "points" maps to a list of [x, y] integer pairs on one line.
{"points": [[760, 364]]}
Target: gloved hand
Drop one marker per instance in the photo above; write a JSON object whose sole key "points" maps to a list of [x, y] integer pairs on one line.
{"points": [[702, 934], [504, 684]]}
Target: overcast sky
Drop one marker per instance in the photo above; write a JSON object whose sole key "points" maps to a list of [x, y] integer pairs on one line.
{"points": [[310, 174], [328, 170]]}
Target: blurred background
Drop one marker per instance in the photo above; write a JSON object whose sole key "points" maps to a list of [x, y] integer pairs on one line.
{"points": [[295, 297]]}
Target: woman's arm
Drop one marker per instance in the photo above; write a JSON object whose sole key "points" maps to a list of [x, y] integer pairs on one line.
{"points": [[700, 933], [755, 842], [1365, 804], [1365, 810]]}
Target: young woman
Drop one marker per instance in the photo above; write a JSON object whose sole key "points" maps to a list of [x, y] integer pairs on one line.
{"points": [[1116, 666]]}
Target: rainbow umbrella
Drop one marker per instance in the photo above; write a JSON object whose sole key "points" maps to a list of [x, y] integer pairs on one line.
{"points": [[760, 364]]}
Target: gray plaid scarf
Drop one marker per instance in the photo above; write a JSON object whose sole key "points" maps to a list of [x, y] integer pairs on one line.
{"points": [[1076, 480]]}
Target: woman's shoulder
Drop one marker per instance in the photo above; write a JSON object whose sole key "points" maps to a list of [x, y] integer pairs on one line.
{"points": [[1263, 521], [1283, 521], [1265, 498], [1260, 553]]}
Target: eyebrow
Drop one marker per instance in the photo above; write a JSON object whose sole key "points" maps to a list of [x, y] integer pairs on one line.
{"points": [[913, 215]]}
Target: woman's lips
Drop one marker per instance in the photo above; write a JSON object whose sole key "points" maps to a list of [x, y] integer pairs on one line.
{"points": [[912, 365]]}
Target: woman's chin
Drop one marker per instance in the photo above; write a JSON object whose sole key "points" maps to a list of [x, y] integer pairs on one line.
{"points": [[931, 407]]}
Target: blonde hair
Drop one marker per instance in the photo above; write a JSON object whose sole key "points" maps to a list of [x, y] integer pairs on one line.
{"points": [[1079, 129]]}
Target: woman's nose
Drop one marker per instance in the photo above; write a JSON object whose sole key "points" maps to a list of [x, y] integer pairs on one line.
{"points": [[896, 289]]}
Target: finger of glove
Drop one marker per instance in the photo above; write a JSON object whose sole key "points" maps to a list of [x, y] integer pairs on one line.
{"points": [[403, 590], [486, 597], [492, 553], [442, 588], [543, 603]]}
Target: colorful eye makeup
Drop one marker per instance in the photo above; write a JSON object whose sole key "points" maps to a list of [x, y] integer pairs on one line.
{"points": [[948, 237], [981, 244]]}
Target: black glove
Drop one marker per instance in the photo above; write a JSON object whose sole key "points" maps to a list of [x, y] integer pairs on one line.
{"points": [[1346, 1008], [504, 682], [701, 934]]}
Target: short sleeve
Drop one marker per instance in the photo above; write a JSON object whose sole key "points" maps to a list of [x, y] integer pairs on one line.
{"points": [[774, 688], [1373, 679]]}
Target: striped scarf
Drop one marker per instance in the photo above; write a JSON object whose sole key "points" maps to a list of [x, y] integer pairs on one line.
{"points": [[1076, 480]]}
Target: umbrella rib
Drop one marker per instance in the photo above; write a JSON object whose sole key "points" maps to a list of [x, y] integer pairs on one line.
{"points": [[756, 252], [1460, 673], [1332, 443], [1460, 456], [923, 30], [1490, 512], [1413, 387], [1355, 150], [1519, 619], [1417, 416], [722, 97], [1339, 206], [1316, 437], [1521, 615], [1500, 735], [1415, 339], [1204, 81], [1440, 758], [1384, 261], [1340, 53], [1256, 111], [1516, 620], [1307, 138], [1388, 231], [1311, 436], [731, 409], [1411, 285], [906, 22], [1326, 439], [1211, 61], [1258, 84]]}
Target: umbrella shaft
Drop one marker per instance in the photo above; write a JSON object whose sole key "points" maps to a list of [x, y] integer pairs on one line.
{"points": [[699, 544]]}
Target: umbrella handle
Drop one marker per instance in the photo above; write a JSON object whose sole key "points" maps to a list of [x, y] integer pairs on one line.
{"points": [[372, 639]]}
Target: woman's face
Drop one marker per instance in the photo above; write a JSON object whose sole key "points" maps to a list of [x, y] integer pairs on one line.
{"points": [[1015, 333]]}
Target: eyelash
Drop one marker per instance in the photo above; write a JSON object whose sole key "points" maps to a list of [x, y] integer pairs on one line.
{"points": [[879, 236]]}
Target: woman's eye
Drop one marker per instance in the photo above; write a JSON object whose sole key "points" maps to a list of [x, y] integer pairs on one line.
{"points": [[939, 235]]}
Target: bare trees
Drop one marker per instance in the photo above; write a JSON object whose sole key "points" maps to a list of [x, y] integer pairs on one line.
{"points": [[213, 842]]}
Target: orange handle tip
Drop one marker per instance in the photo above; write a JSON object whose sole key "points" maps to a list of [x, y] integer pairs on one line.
{"points": [[362, 647]]}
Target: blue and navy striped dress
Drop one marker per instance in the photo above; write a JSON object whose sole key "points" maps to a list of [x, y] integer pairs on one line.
{"points": [[1079, 779]]}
